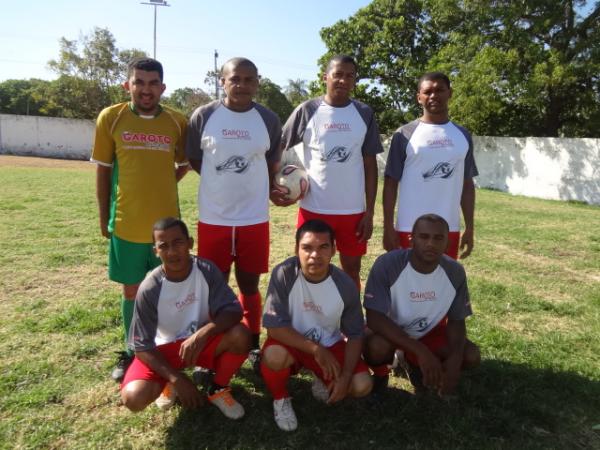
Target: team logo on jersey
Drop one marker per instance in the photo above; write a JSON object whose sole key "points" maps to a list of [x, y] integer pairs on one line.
{"points": [[419, 324], [442, 170], [309, 305], [235, 134], [191, 298], [315, 334], [422, 296], [337, 126], [145, 141], [235, 164], [337, 154], [439, 143], [191, 329]]}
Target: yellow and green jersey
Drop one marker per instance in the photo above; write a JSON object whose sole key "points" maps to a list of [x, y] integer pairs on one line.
{"points": [[142, 152]]}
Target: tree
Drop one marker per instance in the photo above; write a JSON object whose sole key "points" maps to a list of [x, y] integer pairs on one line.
{"points": [[270, 95], [296, 91], [23, 97], [187, 99], [525, 67], [90, 72]]}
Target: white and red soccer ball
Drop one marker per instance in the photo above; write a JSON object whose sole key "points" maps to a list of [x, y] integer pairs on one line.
{"points": [[292, 180]]}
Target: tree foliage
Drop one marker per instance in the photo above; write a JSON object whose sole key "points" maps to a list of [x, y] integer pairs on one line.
{"points": [[296, 91], [187, 99], [270, 95], [518, 67]]}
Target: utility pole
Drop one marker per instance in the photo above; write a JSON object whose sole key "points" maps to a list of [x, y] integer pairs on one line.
{"points": [[216, 76], [155, 3]]}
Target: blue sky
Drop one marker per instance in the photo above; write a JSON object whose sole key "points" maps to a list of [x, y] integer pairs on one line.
{"points": [[281, 37]]}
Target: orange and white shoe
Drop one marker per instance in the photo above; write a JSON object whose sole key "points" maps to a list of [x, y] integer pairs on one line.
{"points": [[228, 405], [167, 398]]}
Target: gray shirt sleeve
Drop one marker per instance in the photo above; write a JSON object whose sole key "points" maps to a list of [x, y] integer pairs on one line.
{"points": [[394, 167], [294, 127], [277, 310], [352, 323], [470, 166], [220, 296], [461, 305], [193, 147], [145, 313], [273, 125], [372, 142], [384, 273]]}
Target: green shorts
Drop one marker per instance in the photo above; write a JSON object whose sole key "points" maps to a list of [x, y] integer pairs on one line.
{"points": [[129, 262]]}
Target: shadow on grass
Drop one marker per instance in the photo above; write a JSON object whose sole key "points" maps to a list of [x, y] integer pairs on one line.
{"points": [[501, 405]]}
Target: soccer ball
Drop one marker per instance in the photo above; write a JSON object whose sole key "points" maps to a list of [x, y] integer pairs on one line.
{"points": [[293, 180]]}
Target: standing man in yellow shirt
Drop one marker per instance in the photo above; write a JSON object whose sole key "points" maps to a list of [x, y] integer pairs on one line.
{"points": [[139, 152]]}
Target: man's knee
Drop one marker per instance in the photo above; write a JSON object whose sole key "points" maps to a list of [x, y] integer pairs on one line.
{"points": [[137, 395], [238, 339], [361, 384], [377, 350], [130, 291], [276, 357], [471, 356]]}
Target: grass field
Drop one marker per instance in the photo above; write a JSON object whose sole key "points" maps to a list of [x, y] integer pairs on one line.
{"points": [[535, 288]]}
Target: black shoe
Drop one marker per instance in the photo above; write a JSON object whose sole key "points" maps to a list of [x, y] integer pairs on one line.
{"points": [[254, 358], [203, 377], [123, 362], [379, 391], [415, 376]]}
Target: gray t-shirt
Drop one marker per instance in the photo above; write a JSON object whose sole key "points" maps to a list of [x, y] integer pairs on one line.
{"points": [[430, 163], [167, 311], [335, 140], [234, 149], [319, 311], [415, 301]]}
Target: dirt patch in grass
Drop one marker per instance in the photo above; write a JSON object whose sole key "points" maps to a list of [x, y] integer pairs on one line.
{"points": [[32, 161]]}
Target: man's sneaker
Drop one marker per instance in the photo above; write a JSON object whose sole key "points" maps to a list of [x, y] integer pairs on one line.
{"points": [[254, 358], [285, 417], [379, 391], [223, 400], [415, 376], [319, 390], [167, 397], [202, 377], [124, 360]]}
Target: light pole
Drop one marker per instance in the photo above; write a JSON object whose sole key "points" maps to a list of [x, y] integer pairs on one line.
{"points": [[155, 3]]}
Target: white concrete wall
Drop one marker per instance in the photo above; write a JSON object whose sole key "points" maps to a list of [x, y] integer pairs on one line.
{"points": [[48, 137], [552, 168]]}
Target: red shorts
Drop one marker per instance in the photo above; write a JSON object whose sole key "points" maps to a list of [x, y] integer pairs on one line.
{"points": [[436, 339], [453, 242], [344, 226], [247, 245], [140, 371], [305, 360]]}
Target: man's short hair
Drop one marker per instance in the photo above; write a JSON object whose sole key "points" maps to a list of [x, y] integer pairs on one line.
{"points": [[236, 62], [433, 76], [170, 222], [314, 226], [146, 64], [432, 218], [342, 59]]}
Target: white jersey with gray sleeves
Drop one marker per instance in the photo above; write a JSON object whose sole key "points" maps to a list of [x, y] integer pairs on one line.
{"points": [[431, 162], [323, 312], [415, 301], [167, 311], [234, 149], [334, 141]]}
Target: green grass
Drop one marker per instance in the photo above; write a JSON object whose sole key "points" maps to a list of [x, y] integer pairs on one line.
{"points": [[535, 287]]}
